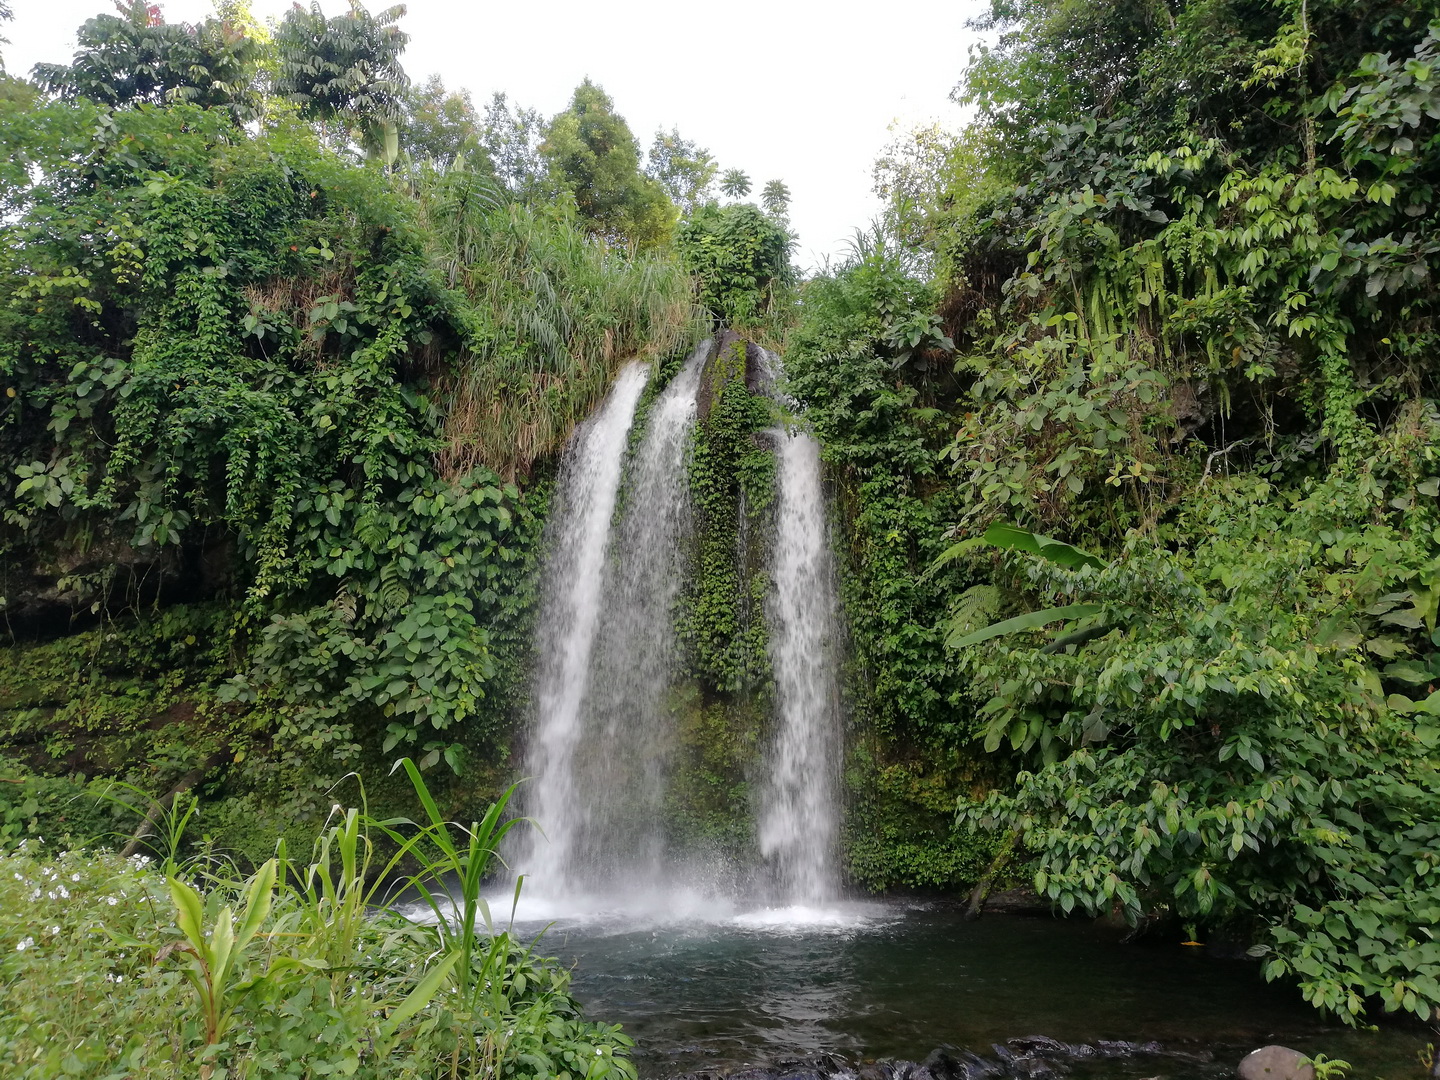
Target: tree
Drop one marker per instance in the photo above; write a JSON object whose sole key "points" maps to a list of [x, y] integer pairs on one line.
{"points": [[137, 57], [594, 158], [442, 125], [775, 198], [347, 70], [683, 168], [512, 138], [6, 15], [737, 256], [735, 183]]}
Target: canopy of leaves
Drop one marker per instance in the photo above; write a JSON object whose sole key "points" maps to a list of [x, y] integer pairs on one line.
{"points": [[738, 257], [1171, 299], [442, 126], [683, 168], [345, 68], [136, 56], [594, 158]]}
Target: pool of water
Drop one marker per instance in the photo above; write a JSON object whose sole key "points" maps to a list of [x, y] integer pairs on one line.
{"points": [[718, 990]]}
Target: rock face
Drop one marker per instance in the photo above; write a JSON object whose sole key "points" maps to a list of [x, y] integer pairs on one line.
{"points": [[1275, 1063]]}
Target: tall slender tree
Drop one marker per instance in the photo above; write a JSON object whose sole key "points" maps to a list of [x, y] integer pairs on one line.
{"points": [[775, 198], [594, 158], [735, 183]]}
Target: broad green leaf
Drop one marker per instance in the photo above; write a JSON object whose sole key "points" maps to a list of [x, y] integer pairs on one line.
{"points": [[1015, 538], [1032, 620], [418, 998], [189, 913]]}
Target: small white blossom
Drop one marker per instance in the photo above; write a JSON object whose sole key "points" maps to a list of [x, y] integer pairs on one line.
{"points": [[28, 943], [74, 877], [111, 901], [54, 930]]}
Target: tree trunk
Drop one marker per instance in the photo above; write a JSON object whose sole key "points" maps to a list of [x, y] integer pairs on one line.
{"points": [[160, 806]]}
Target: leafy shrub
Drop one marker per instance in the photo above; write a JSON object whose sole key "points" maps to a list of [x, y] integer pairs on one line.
{"points": [[126, 965]]}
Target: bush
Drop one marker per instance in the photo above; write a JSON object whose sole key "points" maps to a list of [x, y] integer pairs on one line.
{"points": [[112, 966]]}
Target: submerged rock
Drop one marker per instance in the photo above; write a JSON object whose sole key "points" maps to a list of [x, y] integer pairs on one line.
{"points": [[1275, 1063], [1028, 1057]]}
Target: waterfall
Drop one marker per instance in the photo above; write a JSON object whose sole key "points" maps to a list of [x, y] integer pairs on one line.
{"points": [[603, 748], [605, 780], [569, 619], [800, 807]]}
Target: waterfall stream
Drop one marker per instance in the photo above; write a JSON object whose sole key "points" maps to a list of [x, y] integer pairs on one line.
{"points": [[569, 619], [604, 743], [605, 790], [800, 809]]}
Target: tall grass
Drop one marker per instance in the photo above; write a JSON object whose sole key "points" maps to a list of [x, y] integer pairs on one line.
{"points": [[554, 313]]}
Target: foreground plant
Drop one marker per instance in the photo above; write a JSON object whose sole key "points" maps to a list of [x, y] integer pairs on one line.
{"points": [[113, 966]]}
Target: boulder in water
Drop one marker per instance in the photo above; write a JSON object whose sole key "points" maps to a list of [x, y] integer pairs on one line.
{"points": [[1275, 1063]]}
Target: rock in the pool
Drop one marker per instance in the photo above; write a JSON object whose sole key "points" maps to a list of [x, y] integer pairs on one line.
{"points": [[1275, 1063]]}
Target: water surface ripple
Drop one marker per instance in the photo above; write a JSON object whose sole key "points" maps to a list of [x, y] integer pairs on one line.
{"points": [[896, 981]]}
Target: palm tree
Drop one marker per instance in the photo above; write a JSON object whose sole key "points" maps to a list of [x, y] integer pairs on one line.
{"points": [[735, 183], [775, 198]]}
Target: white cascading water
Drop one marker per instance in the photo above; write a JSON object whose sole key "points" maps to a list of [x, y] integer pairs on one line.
{"points": [[569, 620], [603, 744], [799, 814], [600, 797], [627, 748]]}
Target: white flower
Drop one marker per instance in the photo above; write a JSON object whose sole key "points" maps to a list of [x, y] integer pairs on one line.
{"points": [[28, 943], [64, 893], [111, 901], [74, 877], [18, 877]]}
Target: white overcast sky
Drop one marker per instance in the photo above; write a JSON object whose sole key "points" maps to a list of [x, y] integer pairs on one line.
{"points": [[803, 92]]}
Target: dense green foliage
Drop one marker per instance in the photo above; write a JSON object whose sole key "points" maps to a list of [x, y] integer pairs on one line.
{"points": [[1170, 299], [595, 159], [278, 425], [184, 969], [739, 256]]}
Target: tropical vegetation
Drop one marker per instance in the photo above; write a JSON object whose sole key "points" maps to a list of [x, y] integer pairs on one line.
{"points": [[1131, 393], [1128, 400]]}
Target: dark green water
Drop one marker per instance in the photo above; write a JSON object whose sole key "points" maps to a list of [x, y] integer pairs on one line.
{"points": [[898, 981]]}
